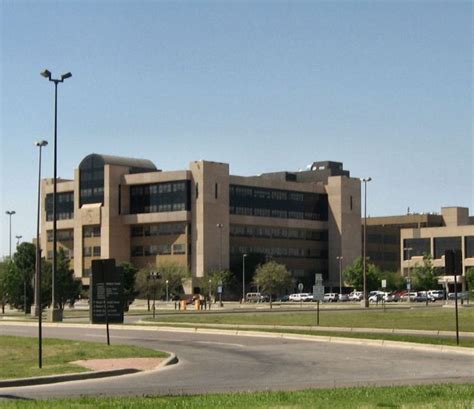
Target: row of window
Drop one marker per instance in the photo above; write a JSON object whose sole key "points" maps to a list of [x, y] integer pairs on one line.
{"points": [[161, 229], [382, 238], [88, 192], [61, 235], [278, 233], [420, 247], [254, 201], [291, 252], [158, 249], [69, 254], [91, 231], [160, 197], [91, 251], [64, 206]]}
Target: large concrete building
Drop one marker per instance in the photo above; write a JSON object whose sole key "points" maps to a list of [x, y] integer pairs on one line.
{"points": [[383, 236], [204, 217], [455, 233]]}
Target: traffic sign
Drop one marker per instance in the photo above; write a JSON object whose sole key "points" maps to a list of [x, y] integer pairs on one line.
{"points": [[384, 283], [318, 292]]}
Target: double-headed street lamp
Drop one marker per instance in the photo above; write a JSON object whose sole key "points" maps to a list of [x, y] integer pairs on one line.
{"points": [[366, 301], [47, 74], [38, 309], [10, 213]]}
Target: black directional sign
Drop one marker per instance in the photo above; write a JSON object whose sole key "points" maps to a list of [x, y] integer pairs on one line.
{"points": [[106, 284]]}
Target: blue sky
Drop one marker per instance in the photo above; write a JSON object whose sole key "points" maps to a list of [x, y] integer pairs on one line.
{"points": [[383, 86]]}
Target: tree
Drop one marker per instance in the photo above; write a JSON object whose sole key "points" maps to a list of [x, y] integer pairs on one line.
{"points": [[25, 259], [354, 275], [129, 277], [273, 278], [395, 281], [470, 280], [13, 285], [424, 274], [174, 272], [67, 288], [219, 276]]}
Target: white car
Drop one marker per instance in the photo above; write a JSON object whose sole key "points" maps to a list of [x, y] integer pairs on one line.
{"points": [[330, 297], [301, 297], [356, 296], [437, 294]]}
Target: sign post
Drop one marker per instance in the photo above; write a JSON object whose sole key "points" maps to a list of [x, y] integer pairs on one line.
{"points": [[318, 293], [219, 291], [384, 287], [106, 293], [453, 266]]}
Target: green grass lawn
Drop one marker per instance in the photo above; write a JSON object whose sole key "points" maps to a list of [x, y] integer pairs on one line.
{"points": [[419, 318], [19, 355], [410, 397]]}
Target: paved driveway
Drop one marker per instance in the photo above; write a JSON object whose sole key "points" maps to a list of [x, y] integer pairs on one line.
{"points": [[222, 363]]}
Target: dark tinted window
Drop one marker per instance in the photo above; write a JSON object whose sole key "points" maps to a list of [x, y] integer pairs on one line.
{"points": [[91, 181], [441, 244], [419, 247], [256, 201], [160, 197], [64, 206]]}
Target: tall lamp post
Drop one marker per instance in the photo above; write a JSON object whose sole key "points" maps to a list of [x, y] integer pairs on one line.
{"points": [[38, 309], [167, 282], [340, 258], [10, 213], [244, 256], [366, 301], [18, 238], [408, 250], [55, 314]]}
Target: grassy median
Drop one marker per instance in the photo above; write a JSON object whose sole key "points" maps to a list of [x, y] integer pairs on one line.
{"points": [[438, 318], [19, 355], [419, 397]]}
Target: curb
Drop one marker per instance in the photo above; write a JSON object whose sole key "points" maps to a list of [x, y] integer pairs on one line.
{"points": [[44, 380]]}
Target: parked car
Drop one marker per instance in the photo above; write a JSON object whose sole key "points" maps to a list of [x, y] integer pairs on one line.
{"points": [[391, 297], [423, 296], [356, 296], [255, 297], [343, 297], [284, 298], [437, 294], [461, 296], [376, 297], [301, 297], [330, 297]]}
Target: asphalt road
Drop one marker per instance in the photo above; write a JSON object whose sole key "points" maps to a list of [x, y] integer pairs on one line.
{"points": [[223, 363]]}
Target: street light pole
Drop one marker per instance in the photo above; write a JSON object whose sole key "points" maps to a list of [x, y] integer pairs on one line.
{"points": [[366, 301], [167, 281], [340, 258], [244, 256], [38, 309], [47, 74], [408, 250], [10, 213], [18, 238]]}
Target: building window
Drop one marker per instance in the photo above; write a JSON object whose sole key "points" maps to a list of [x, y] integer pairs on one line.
{"points": [[419, 247], [441, 244], [96, 251], [351, 202], [215, 191], [91, 180], [179, 249], [92, 231], [278, 203], [160, 197], [64, 206], [469, 247]]}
